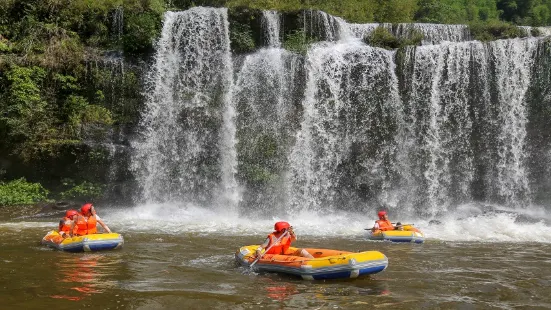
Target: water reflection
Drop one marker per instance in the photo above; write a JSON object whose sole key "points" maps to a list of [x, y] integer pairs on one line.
{"points": [[84, 275], [280, 290]]}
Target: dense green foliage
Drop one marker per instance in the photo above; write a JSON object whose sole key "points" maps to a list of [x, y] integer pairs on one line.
{"points": [[381, 37], [21, 192], [522, 12], [48, 95], [297, 41], [86, 191], [495, 30]]}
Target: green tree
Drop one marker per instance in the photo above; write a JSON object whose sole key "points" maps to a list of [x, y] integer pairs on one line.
{"points": [[395, 11], [24, 112]]}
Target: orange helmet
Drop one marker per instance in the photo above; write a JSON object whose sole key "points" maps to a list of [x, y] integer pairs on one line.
{"points": [[85, 208], [71, 213], [381, 214], [279, 226]]}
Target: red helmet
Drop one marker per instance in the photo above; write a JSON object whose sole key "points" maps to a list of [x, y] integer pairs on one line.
{"points": [[85, 208], [381, 214], [71, 213], [279, 226]]}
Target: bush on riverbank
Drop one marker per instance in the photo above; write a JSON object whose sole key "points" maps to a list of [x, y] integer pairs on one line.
{"points": [[21, 192]]}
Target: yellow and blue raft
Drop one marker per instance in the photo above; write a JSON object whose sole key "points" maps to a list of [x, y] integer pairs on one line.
{"points": [[408, 233], [326, 264], [86, 243]]}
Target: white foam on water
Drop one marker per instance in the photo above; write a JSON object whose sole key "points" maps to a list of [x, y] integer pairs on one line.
{"points": [[177, 218], [470, 222]]}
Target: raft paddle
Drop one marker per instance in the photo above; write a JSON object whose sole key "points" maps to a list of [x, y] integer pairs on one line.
{"points": [[262, 254]]}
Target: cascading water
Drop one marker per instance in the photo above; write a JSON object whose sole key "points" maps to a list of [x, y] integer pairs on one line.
{"points": [[186, 150], [438, 162], [267, 95], [468, 142], [425, 130], [433, 33], [345, 142], [264, 96], [118, 22], [513, 66], [272, 27], [331, 28]]}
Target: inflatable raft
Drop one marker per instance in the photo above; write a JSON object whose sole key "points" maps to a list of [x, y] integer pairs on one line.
{"points": [[326, 264], [407, 234], [86, 243]]}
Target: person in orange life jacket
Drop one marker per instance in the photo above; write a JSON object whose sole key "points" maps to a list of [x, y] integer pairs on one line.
{"points": [[67, 222], [281, 246], [87, 220], [383, 223]]}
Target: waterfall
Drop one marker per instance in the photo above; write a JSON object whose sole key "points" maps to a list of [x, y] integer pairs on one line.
{"points": [[266, 97], [345, 140], [513, 65], [331, 28], [434, 33], [318, 24], [347, 126], [186, 148], [118, 22], [439, 165], [543, 31], [272, 28], [267, 93]]}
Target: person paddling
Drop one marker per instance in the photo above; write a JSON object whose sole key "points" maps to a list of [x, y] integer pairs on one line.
{"points": [[384, 223], [87, 221], [277, 243]]}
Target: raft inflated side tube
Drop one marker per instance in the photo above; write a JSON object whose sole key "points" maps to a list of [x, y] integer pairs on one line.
{"points": [[86, 243], [326, 264]]}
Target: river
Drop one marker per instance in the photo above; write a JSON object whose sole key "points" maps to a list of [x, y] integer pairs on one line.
{"points": [[186, 260]]}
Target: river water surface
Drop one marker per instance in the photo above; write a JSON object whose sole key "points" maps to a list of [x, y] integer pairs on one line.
{"points": [[187, 262]]}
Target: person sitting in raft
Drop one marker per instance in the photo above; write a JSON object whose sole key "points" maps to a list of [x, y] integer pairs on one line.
{"points": [[282, 246], [66, 223], [87, 221], [384, 223]]}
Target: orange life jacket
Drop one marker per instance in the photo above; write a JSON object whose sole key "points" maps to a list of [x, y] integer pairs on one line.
{"points": [[65, 224], [86, 225], [280, 247], [385, 225]]}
